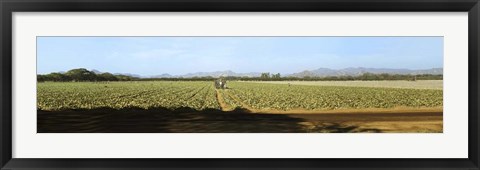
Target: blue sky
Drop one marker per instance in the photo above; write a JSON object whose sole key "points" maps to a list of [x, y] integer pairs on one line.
{"points": [[149, 56]]}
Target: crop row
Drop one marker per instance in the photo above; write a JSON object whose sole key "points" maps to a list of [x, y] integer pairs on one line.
{"points": [[121, 95], [287, 97], [202, 95]]}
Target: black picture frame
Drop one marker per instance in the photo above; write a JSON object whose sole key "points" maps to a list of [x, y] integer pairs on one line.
{"points": [[9, 6]]}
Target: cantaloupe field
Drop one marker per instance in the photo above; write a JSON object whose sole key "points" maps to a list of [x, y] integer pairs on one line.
{"points": [[201, 95]]}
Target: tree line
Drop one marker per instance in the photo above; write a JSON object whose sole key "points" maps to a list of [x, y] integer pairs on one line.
{"points": [[84, 75], [363, 77]]}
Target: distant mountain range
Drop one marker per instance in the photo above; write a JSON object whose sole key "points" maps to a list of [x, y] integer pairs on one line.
{"points": [[321, 72], [351, 71], [211, 74]]}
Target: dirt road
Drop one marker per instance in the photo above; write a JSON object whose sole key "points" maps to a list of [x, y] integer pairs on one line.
{"points": [[236, 121]]}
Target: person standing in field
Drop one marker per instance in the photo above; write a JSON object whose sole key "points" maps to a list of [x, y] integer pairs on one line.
{"points": [[220, 84], [224, 84]]}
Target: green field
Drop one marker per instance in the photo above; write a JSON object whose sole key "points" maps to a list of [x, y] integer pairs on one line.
{"points": [[420, 84], [201, 95]]}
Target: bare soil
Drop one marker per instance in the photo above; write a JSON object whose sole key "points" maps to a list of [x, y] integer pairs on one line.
{"points": [[186, 120]]}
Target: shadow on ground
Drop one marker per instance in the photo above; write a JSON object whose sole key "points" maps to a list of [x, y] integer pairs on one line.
{"points": [[181, 120]]}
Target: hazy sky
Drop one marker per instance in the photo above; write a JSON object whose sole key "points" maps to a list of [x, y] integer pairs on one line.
{"points": [[149, 56]]}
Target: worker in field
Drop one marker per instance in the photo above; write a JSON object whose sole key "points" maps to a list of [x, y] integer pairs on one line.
{"points": [[220, 84], [224, 84]]}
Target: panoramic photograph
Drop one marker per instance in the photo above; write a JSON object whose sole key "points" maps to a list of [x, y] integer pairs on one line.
{"points": [[239, 84]]}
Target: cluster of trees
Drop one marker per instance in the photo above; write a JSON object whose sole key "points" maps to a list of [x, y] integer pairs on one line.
{"points": [[270, 76], [82, 74]]}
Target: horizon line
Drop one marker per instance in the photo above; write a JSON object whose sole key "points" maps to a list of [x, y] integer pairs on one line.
{"points": [[176, 75]]}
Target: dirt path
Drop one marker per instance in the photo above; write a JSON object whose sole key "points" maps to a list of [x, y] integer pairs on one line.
{"points": [[419, 122], [226, 107], [223, 106], [244, 105]]}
